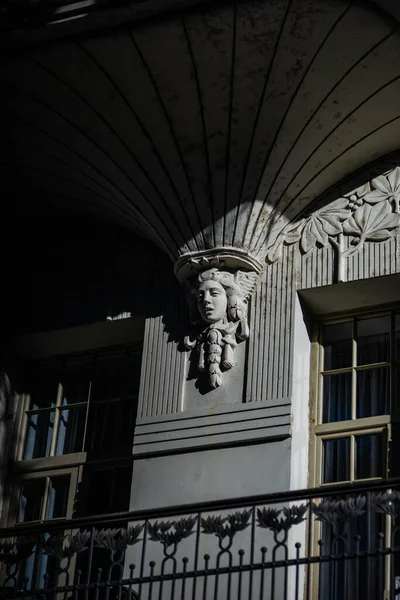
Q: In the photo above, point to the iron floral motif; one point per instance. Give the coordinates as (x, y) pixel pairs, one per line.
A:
(219, 302)
(227, 526)
(340, 512)
(281, 519)
(171, 533)
(369, 213)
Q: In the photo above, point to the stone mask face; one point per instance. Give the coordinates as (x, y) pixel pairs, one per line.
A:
(211, 301)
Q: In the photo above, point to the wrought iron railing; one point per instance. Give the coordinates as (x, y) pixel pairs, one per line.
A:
(335, 543)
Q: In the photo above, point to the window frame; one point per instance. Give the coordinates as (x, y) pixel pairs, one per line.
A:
(72, 464)
(352, 427)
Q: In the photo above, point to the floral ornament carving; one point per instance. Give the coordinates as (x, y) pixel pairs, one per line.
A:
(370, 213)
(219, 303)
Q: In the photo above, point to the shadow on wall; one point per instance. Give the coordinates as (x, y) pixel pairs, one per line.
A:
(62, 271)
(8, 399)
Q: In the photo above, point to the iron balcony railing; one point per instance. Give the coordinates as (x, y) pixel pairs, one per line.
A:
(335, 543)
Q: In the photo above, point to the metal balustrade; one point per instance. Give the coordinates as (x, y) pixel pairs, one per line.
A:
(333, 543)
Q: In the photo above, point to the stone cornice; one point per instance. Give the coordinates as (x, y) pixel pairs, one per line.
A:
(223, 258)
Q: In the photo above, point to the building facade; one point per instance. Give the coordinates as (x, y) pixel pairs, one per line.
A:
(201, 332)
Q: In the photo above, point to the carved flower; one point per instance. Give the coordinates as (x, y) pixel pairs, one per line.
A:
(385, 187)
(372, 222)
(322, 225)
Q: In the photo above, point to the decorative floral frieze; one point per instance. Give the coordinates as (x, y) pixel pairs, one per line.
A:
(371, 213)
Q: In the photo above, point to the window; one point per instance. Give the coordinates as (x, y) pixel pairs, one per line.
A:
(76, 431)
(354, 425)
(358, 381)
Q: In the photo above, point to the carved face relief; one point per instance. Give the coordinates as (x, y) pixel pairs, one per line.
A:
(211, 301)
(219, 297)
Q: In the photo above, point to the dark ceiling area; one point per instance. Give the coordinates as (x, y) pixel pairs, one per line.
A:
(59, 272)
(207, 126)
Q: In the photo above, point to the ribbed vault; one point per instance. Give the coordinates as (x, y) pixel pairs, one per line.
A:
(210, 127)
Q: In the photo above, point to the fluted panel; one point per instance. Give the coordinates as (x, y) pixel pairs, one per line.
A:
(163, 371)
(270, 343)
(374, 260)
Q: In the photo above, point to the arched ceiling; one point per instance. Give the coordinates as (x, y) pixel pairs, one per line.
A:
(206, 127)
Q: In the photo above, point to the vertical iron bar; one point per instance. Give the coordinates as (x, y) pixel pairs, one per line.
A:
(97, 584)
(273, 572)
(241, 554)
(228, 591)
(297, 576)
(206, 559)
(89, 562)
(357, 539)
(252, 544)
(162, 579)
(185, 561)
(77, 582)
(380, 557)
(369, 539)
(173, 582)
(309, 550)
(285, 575)
(263, 553)
(152, 564)
(196, 556)
(131, 571)
(142, 558)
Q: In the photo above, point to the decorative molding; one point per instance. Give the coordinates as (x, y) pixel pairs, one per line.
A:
(204, 428)
(190, 264)
(370, 213)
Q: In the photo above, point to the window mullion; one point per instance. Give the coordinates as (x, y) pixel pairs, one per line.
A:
(354, 374)
(56, 420)
(45, 499)
(352, 458)
(23, 425)
(87, 415)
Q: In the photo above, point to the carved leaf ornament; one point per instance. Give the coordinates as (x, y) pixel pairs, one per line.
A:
(369, 213)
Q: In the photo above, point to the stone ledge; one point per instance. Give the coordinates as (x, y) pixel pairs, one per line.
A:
(206, 428)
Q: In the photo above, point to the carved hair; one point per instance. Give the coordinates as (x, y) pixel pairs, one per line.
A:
(236, 299)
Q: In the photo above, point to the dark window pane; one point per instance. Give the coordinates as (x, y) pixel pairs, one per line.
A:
(336, 398)
(106, 384)
(111, 425)
(373, 392)
(336, 460)
(373, 340)
(38, 435)
(369, 456)
(337, 345)
(396, 392)
(75, 381)
(58, 497)
(43, 391)
(70, 430)
(30, 502)
(397, 337)
(108, 490)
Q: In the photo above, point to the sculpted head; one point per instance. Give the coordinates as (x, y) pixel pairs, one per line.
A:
(217, 298)
(211, 301)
